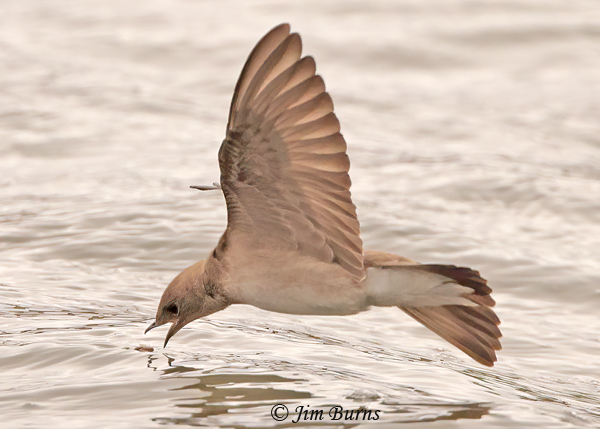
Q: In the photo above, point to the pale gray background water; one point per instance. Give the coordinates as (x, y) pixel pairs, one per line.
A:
(474, 135)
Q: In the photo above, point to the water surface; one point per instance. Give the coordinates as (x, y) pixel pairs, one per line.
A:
(474, 138)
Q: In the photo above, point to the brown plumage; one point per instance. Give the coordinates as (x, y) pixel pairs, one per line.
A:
(292, 241)
(281, 117)
(472, 329)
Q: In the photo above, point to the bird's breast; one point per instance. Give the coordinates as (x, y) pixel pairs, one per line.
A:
(293, 283)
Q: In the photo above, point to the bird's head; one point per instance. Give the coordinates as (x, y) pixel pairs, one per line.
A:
(191, 295)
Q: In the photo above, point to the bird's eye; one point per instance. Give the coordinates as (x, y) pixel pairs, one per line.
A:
(173, 309)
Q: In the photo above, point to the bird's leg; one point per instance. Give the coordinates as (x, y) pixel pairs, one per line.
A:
(212, 187)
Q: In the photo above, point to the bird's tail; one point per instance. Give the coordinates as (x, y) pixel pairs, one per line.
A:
(454, 302)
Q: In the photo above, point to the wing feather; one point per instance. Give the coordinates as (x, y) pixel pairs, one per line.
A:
(284, 168)
(332, 144)
(255, 60)
(322, 127)
(285, 55)
(308, 111)
(290, 78)
(298, 94)
(334, 162)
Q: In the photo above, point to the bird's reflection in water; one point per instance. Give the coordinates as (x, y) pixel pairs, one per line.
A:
(218, 398)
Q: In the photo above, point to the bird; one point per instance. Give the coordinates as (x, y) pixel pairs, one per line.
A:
(292, 241)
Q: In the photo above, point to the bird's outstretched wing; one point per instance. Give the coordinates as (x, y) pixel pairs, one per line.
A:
(284, 168)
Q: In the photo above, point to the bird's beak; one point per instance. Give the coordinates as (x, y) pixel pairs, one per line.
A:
(175, 327)
(154, 325)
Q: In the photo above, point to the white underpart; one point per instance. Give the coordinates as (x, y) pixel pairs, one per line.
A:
(286, 282)
(387, 287)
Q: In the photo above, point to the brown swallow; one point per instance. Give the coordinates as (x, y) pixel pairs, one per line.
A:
(292, 242)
